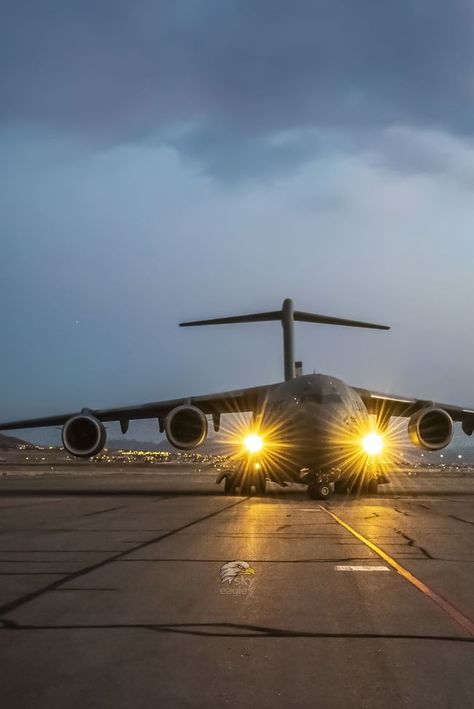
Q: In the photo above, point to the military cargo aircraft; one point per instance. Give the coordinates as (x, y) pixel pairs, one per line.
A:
(310, 429)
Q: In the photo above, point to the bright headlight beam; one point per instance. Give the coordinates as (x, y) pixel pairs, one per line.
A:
(372, 443)
(253, 443)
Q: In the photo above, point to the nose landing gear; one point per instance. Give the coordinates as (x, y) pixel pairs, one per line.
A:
(319, 491)
(320, 484)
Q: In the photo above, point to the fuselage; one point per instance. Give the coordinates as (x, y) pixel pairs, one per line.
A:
(314, 421)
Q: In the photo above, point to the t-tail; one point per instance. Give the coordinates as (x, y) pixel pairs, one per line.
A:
(287, 316)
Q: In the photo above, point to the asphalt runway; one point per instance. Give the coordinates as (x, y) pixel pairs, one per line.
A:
(111, 594)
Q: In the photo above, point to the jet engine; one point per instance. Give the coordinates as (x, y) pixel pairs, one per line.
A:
(431, 428)
(83, 435)
(186, 427)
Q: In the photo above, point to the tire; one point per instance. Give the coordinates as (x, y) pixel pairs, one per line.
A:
(364, 487)
(319, 491)
(341, 487)
(260, 484)
(372, 486)
(229, 485)
(244, 485)
(358, 485)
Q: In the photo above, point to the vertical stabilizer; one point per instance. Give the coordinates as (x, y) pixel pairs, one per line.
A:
(287, 316)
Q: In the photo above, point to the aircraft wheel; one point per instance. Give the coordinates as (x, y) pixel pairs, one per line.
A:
(229, 485)
(260, 484)
(319, 491)
(372, 486)
(359, 485)
(341, 486)
(244, 486)
(364, 487)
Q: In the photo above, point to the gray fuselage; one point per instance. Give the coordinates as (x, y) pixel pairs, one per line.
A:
(314, 421)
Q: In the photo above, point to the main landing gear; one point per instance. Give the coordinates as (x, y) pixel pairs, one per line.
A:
(321, 485)
(244, 480)
(361, 485)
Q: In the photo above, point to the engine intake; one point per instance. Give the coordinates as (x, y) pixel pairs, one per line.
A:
(83, 435)
(431, 428)
(186, 427)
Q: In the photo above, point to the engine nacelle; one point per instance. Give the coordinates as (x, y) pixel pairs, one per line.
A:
(431, 428)
(83, 435)
(186, 427)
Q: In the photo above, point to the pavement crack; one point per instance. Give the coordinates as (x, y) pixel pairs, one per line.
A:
(32, 573)
(455, 517)
(87, 589)
(231, 630)
(335, 560)
(8, 624)
(461, 519)
(101, 512)
(412, 543)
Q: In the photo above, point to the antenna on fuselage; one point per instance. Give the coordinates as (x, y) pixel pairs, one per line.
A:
(287, 316)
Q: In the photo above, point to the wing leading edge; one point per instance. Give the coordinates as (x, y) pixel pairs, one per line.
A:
(386, 405)
(240, 400)
(246, 400)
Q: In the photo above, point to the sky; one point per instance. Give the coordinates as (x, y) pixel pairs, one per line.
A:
(166, 161)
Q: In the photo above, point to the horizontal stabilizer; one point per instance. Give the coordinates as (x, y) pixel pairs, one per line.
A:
(256, 317)
(328, 320)
(287, 316)
(298, 315)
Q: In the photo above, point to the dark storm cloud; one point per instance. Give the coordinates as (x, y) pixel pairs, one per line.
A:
(219, 80)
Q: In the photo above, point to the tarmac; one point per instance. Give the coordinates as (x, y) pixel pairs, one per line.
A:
(111, 593)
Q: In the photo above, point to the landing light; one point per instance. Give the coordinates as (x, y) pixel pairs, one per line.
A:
(372, 444)
(253, 443)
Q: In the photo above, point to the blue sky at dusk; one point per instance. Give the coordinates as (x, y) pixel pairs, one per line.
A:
(166, 161)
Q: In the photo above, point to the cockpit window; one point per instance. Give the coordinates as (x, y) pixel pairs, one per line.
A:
(321, 397)
(332, 396)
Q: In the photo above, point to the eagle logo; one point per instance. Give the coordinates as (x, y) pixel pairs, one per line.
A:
(234, 569)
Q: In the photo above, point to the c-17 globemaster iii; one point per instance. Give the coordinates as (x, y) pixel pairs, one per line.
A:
(310, 429)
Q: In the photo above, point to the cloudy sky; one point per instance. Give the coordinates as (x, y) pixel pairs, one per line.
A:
(163, 161)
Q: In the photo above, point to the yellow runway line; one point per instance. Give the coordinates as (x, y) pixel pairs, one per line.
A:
(466, 623)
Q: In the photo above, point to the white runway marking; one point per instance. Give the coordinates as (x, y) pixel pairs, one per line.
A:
(348, 567)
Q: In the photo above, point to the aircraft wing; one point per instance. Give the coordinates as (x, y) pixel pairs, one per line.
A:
(386, 405)
(240, 400)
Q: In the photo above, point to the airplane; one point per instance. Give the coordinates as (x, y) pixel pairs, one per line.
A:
(310, 429)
